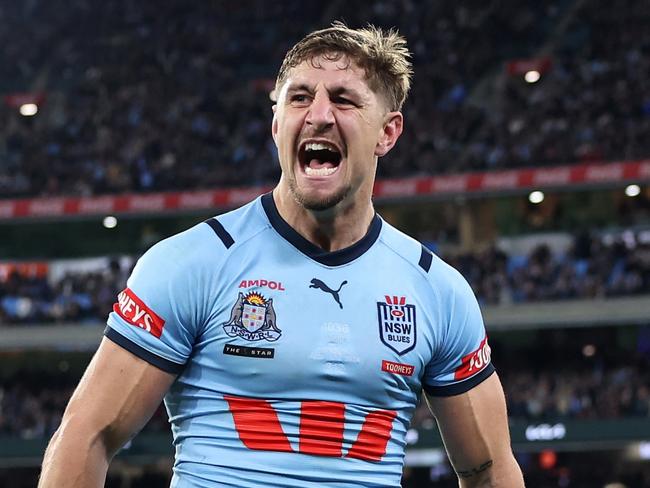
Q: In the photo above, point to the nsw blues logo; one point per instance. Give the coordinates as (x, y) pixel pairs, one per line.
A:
(397, 324)
(253, 318)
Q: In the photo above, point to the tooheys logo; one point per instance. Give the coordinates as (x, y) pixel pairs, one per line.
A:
(135, 312)
(474, 361)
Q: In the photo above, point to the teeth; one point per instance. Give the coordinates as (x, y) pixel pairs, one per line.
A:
(319, 172)
(319, 146)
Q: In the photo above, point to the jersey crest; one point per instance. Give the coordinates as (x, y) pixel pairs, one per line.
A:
(253, 318)
(397, 324)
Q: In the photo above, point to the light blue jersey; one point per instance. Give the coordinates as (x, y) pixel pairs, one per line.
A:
(297, 367)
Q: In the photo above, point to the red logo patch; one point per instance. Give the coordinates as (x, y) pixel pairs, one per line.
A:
(397, 368)
(474, 361)
(135, 312)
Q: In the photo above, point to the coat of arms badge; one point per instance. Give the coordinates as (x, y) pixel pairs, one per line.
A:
(253, 318)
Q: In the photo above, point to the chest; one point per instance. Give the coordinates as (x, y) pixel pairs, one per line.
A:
(359, 333)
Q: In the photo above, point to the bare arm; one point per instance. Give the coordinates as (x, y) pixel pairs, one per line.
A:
(474, 427)
(115, 398)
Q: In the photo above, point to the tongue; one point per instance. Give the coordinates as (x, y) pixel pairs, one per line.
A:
(317, 164)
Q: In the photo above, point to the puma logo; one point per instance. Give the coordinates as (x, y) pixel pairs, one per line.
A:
(316, 283)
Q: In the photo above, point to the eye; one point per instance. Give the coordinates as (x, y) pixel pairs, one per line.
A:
(299, 98)
(343, 101)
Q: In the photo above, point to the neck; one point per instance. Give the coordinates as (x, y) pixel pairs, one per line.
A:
(332, 229)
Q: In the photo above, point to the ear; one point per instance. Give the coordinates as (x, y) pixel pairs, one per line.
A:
(274, 124)
(390, 132)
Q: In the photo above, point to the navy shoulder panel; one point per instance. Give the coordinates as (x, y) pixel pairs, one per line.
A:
(221, 232)
(425, 259)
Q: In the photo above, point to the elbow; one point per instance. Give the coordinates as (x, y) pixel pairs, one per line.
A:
(113, 440)
(83, 435)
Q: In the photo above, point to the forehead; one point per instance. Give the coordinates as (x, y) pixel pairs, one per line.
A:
(323, 71)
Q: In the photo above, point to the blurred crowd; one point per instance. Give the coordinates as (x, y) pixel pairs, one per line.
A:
(591, 104)
(554, 394)
(592, 268)
(590, 394)
(77, 296)
(32, 408)
(150, 96)
(32, 403)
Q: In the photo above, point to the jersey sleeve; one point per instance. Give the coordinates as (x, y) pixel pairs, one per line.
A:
(462, 360)
(155, 316)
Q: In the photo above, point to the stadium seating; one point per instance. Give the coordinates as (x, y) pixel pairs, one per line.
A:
(150, 114)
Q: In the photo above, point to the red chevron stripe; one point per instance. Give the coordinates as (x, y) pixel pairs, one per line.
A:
(257, 424)
(321, 428)
(372, 440)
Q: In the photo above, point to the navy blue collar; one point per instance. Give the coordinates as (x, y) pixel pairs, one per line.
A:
(335, 258)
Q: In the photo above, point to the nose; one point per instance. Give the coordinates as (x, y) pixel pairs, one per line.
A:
(320, 114)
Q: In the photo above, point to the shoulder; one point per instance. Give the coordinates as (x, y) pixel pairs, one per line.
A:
(203, 246)
(213, 237)
(443, 278)
(238, 226)
(412, 252)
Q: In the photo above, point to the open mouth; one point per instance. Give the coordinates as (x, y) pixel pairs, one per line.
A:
(319, 158)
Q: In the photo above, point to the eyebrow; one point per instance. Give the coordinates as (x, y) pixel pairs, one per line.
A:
(334, 91)
(300, 87)
(342, 90)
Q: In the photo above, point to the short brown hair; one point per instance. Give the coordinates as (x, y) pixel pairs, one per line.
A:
(383, 55)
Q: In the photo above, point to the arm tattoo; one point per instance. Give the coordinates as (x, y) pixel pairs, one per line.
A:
(474, 471)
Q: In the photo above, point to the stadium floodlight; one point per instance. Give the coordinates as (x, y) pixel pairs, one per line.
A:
(28, 109)
(536, 197)
(532, 76)
(644, 450)
(110, 222)
(633, 190)
(589, 350)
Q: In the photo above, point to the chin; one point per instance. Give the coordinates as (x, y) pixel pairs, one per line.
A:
(319, 203)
